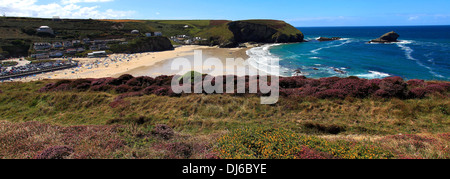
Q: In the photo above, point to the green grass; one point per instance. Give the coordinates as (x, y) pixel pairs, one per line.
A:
(351, 128)
(208, 113)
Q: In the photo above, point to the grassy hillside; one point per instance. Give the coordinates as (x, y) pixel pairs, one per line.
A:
(219, 126)
(17, 33)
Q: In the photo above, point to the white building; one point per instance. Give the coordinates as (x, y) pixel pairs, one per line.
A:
(97, 54)
(135, 32)
(148, 34)
(45, 29)
(158, 34)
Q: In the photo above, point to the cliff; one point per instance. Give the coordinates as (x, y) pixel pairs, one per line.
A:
(233, 33)
(17, 34)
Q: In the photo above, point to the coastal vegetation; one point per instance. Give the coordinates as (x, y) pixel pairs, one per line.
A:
(17, 34)
(138, 117)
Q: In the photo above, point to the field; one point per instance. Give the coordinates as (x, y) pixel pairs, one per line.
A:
(39, 121)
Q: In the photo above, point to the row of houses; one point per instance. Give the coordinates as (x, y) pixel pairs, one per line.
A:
(148, 34)
(186, 40)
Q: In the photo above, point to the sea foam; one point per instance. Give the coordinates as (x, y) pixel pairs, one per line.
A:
(373, 75)
(408, 53)
(261, 59)
(344, 41)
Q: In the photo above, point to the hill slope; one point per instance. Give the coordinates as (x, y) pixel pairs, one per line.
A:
(17, 34)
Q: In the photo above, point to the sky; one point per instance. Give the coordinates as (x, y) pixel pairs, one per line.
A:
(300, 13)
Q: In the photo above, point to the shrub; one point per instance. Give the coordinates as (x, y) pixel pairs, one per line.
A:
(417, 93)
(56, 152)
(60, 82)
(151, 89)
(78, 82)
(124, 78)
(122, 89)
(308, 90)
(102, 87)
(119, 103)
(307, 153)
(251, 143)
(329, 129)
(47, 87)
(132, 120)
(179, 150)
(62, 87)
(163, 80)
(331, 93)
(392, 87)
(83, 87)
(293, 82)
(99, 81)
(372, 86)
(146, 81)
(435, 88)
(416, 83)
(134, 82)
(163, 131)
(162, 91)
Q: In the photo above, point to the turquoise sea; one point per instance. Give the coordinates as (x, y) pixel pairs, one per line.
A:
(423, 53)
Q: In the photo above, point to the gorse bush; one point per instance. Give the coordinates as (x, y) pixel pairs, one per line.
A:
(251, 143)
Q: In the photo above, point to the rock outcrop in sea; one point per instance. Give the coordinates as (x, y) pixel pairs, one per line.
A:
(387, 38)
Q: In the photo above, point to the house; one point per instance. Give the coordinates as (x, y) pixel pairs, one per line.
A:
(158, 33)
(135, 32)
(71, 51)
(67, 44)
(188, 41)
(93, 47)
(97, 54)
(45, 29)
(40, 56)
(57, 45)
(76, 42)
(56, 19)
(56, 54)
(102, 47)
(42, 46)
(80, 49)
(148, 34)
(86, 40)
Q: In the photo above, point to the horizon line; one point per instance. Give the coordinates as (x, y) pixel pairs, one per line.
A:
(296, 26)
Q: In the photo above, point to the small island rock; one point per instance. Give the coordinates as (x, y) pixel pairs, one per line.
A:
(387, 38)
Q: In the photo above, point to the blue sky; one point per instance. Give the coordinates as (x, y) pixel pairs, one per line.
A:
(299, 13)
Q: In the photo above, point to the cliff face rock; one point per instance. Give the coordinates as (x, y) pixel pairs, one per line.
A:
(387, 38)
(264, 31)
(258, 31)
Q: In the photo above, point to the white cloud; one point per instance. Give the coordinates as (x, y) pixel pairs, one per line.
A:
(64, 9)
(83, 1)
(413, 18)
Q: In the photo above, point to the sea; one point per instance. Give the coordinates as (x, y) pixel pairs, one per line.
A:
(422, 53)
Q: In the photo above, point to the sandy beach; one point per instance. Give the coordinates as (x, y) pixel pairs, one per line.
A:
(140, 64)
